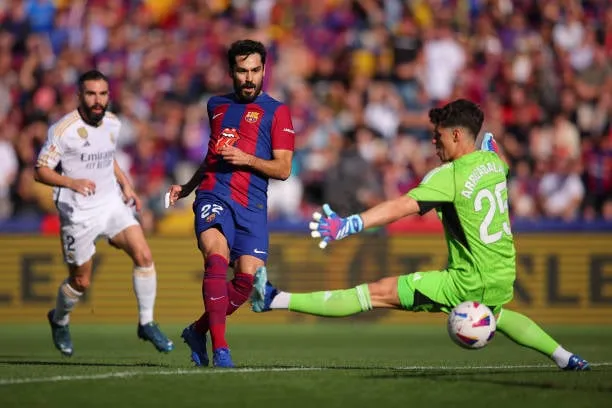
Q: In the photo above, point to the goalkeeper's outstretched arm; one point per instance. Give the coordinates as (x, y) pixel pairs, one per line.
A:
(390, 211)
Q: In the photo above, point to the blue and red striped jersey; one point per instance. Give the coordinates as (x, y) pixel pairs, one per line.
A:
(256, 128)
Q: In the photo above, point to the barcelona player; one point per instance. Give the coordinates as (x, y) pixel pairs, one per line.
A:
(469, 194)
(252, 140)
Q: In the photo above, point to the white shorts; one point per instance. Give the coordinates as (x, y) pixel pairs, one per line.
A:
(80, 231)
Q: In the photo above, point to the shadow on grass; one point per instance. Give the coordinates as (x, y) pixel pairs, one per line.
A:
(489, 376)
(77, 363)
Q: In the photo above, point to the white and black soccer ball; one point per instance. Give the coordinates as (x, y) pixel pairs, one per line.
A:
(471, 325)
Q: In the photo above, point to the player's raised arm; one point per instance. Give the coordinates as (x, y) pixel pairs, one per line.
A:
(436, 188)
(48, 159)
(332, 227)
(390, 211)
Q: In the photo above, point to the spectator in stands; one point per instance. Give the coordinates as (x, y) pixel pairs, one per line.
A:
(541, 69)
(561, 190)
(598, 176)
(522, 191)
(352, 184)
(8, 169)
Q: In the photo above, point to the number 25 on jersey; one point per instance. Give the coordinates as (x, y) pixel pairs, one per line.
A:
(498, 205)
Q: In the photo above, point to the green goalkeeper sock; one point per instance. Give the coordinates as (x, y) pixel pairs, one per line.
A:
(333, 303)
(526, 332)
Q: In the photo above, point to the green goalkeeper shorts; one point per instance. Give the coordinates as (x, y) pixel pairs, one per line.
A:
(431, 291)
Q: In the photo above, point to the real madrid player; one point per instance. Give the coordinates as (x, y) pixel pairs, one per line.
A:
(94, 198)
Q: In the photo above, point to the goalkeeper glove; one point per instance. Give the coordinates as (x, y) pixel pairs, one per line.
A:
(489, 143)
(331, 227)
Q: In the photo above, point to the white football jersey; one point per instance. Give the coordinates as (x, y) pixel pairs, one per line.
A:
(85, 152)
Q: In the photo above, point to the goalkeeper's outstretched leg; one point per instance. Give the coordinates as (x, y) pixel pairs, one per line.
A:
(406, 292)
(524, 331)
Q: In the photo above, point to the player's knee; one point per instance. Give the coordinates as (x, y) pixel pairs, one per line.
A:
(212, 241)
(79, 283)
(143, 257)
(248, 265)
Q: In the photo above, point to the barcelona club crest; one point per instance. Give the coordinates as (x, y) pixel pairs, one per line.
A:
(252, 117)
(228, 137)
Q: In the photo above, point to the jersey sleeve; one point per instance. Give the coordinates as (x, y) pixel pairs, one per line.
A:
(51, 152)
(283, 135)
(209, 109)
(436, 188)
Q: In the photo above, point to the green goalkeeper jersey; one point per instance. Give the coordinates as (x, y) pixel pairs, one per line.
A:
(470, 196)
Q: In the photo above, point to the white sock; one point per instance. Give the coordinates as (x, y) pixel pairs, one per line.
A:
(281, 301)
(67, 297)
(145, 289)
(561, 357)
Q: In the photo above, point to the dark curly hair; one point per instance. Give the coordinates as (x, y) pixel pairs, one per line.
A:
(458, 113)
(92, 75)
(245, 48)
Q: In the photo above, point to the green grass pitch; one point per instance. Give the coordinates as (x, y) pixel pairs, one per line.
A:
(332, 364)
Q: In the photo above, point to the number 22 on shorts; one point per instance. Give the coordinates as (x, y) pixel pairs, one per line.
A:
(210, 211)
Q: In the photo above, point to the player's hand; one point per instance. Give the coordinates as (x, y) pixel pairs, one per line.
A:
(129, 195)
(175, 193)
(83, 186)
(488, 143)
(235, 156)
(331, 227)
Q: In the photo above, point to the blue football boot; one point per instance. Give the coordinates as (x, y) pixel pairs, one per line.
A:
(61, 335)
(222, 358)
(263, 291)
(197, 344)
(577, 363)
(151, 332)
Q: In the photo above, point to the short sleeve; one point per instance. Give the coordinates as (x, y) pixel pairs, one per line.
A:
(209, 108)
(51, 152)
(436, 188)
(283, 135)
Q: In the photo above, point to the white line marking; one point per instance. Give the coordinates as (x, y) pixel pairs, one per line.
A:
(491, 367)
(135, 373)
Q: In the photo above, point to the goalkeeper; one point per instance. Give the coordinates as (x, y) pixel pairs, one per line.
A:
(469, 194)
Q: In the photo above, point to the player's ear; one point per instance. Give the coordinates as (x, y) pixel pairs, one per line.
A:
(456, 132)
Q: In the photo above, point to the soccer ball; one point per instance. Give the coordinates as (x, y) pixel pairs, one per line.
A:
(471, 325)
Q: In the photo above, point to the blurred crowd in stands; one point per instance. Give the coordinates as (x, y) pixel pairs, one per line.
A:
(359, 77)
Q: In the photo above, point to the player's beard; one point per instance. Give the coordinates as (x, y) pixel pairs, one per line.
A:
(91, 116)
(255, 88)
